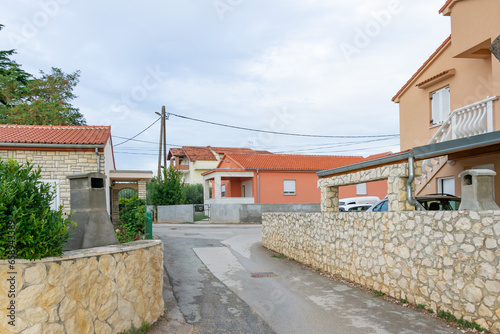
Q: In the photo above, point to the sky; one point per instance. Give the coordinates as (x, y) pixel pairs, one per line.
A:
(318, 67)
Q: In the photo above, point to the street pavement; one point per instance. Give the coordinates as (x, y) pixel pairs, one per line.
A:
(224, 281)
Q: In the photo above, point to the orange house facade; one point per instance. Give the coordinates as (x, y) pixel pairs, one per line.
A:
(276, 178)
(455, 94)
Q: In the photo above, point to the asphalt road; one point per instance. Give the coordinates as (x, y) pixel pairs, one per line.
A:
(226, 282)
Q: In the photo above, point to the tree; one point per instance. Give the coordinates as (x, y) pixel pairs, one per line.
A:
(194, 193)
(169, 191)
(25, 99)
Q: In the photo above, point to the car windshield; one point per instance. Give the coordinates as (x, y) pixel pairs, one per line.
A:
(440, 204)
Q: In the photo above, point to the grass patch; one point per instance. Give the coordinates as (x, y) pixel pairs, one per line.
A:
(460, 322)
(420, 307)
(403, 301)
(279, 256)
(377, 294)
(141, 330)
(198, 218)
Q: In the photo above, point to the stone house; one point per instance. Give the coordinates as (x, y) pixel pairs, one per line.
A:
(455, 94)
(65, 150)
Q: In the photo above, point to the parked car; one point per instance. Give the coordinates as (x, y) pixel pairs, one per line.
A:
(432, 202)
(361, 200)
(355, 207)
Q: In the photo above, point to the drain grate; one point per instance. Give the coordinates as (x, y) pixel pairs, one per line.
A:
(262, 275)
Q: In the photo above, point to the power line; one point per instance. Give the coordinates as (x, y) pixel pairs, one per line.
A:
(123, 142)
(138, 140)
(276, 132)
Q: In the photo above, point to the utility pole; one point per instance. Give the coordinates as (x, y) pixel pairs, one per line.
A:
(163, 141)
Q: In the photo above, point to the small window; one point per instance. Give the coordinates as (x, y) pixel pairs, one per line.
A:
(361, 189)
(223, 191)
(440, 105)
(54, 205)
(289, 187)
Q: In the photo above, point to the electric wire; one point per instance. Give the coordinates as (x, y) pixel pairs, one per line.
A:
(123, 142)
(276, 132)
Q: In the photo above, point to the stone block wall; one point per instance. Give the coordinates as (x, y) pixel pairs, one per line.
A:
(446, 260)
(96, 290)
(56, 165)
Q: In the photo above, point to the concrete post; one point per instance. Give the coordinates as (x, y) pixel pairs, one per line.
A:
(206, 190)
(218, 187)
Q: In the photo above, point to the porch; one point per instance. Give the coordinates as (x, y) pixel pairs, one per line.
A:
(126, 179)
(228, 187)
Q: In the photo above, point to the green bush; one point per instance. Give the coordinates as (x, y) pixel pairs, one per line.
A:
(131, 223)
(169, 191)
(193, 193)
(25, 210)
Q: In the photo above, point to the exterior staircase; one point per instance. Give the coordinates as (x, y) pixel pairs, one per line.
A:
(471, 120)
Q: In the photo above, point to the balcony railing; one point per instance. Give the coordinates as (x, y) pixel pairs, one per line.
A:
(471, 120)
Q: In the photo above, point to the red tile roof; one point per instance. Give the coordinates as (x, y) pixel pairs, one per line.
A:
(427, 62)
(47, 134)
(206, 153)
(195, 153)
(292, 162)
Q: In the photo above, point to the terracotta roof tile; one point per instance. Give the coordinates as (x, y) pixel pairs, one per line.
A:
(427, 62)
(195, 153)
(293, 162)
(47, 134)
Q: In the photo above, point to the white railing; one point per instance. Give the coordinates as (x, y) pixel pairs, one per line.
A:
(471, 120)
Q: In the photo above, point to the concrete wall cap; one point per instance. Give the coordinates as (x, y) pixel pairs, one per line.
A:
(85, 175)
(477, 172)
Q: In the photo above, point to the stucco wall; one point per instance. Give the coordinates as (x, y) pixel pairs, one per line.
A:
(96, 290)
(56, 165)
(446, 260)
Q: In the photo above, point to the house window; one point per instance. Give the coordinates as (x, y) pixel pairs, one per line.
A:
(440, 105)
(361, 189)
(289, 187)
(223, 191)
(54, 205)
(446, 185)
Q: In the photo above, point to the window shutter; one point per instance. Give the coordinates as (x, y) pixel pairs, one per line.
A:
(54, 205)
(289, 187)
(361, 189)
(440, 105)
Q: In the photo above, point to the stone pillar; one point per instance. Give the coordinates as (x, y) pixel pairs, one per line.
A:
(329, 199)
(206, 190)
(396, 188)
(218, 187)
(116, 205)
(141, 189)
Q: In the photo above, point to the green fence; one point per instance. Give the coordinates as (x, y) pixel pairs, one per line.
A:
(148, 226)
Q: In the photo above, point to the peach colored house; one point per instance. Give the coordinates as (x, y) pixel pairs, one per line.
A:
(454, 95)
(276, 178)
(193, 161)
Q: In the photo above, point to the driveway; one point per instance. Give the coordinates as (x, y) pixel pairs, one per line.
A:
(226, 282)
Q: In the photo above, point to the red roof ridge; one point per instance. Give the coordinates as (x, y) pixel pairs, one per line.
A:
(427, 62)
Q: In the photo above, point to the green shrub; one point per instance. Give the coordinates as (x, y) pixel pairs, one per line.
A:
(193, 193)
(131, 223)
(25, 209)
(126, 193)
(169, 191)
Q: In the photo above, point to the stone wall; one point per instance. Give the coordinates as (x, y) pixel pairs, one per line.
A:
(446, 260)
(56, 165)
(95, 290)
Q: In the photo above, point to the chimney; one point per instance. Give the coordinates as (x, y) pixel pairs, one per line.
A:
(477, 190)
(88, 204)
